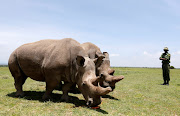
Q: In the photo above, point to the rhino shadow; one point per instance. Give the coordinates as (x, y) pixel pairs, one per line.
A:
(37, 96)
(110, 97)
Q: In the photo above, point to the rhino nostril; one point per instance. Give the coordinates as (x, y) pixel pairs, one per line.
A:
(89, 103)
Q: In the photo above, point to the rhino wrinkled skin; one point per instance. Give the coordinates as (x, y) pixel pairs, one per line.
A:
(53, 61)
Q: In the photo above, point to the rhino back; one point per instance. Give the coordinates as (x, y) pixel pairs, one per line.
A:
(40, 59)
(91, 49)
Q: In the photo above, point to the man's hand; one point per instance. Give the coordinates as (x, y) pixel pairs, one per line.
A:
(162, 58)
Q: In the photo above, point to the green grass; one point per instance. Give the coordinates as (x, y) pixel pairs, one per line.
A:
(140, 93)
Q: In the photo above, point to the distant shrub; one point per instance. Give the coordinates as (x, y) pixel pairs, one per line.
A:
(172, 67)
(3, 65)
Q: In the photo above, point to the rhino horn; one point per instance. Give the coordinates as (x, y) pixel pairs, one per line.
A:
(103, 91)
(98, 89)
(95, 81)
(98, 79)
(117, 78)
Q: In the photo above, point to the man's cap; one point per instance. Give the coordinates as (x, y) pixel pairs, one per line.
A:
(166, 49)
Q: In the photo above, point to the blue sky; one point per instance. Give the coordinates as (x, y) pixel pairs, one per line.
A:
(134, 32)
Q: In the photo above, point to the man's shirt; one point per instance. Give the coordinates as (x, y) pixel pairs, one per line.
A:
(167, 56)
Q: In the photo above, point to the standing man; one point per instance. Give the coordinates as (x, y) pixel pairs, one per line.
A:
(165, 57)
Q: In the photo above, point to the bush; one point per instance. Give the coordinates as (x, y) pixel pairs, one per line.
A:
(172, 67)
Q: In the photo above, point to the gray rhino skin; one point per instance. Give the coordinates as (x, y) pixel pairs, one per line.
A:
(53, 61)
(103, 66)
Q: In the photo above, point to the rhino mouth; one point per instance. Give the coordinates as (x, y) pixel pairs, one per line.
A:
(95, 92)
(90, 103)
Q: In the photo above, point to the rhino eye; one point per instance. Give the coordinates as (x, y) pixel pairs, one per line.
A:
(84, 83)
(102, 75)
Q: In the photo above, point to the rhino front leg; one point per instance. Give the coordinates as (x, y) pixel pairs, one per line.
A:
(50, 86)
(66, 87)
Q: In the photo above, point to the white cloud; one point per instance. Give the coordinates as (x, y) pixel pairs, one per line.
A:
(176, 53)
(146, 53)
(113, 55)
(152, 55)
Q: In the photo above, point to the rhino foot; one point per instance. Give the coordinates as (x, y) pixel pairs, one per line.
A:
(19, 94)
(65, 98)
(46, 97)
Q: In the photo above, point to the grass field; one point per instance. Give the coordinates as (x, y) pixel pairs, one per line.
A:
(140, 93)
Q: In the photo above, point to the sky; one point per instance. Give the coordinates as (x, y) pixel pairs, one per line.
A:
(133, 32)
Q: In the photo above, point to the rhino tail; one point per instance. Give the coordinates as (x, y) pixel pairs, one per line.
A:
(14, 67)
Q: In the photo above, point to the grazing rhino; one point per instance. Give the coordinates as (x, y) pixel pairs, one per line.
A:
(102, 66)
(53, 61)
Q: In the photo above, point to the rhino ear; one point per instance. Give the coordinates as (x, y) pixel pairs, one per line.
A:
(95, 60)
(80, 60)
(106, 54)
(98, 60)
(98, 54)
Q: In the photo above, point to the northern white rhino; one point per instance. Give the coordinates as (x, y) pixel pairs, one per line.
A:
(53, 61)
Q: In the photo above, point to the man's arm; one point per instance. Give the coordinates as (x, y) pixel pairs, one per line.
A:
(162, 59)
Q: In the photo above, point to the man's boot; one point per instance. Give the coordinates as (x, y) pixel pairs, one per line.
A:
(164, 83)
(167, 83)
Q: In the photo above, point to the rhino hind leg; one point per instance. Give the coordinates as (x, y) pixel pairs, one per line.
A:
(19, 81)
(19, 76)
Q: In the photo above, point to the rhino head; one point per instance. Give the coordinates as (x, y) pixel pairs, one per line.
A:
(88, 82)
(107, 80)
(106, 75)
